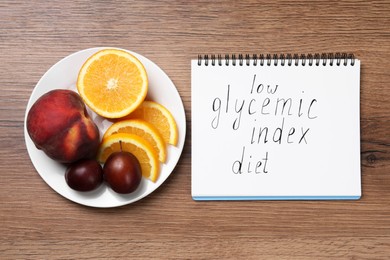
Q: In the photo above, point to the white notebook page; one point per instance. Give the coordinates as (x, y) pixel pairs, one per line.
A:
(275, 132)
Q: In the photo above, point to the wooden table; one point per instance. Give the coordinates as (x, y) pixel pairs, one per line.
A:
(37, 223)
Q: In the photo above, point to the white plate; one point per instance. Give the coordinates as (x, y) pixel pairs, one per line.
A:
(63, 75)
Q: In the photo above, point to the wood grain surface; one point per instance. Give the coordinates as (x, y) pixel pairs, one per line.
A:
(37, 223)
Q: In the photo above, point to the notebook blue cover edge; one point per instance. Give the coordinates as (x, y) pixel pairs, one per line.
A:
(209, 198)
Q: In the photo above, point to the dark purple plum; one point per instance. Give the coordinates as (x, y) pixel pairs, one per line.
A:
(122, 172)
(84, 175)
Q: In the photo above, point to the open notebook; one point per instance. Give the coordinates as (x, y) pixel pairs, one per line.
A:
(277, 127)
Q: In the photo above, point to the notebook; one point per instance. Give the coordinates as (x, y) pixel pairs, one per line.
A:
(275, 127)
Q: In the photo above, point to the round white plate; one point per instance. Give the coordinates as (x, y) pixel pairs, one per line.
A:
(63, 75)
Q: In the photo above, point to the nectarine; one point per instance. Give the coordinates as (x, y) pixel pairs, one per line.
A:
(58, 124)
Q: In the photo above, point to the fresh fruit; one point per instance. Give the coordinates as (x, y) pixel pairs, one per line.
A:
(59, 125)
(160, 117)
(84, 175)
(136, 145)
(142, 129)
(122, 172)
(112, 83)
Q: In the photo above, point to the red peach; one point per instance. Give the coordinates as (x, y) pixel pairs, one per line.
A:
(59, 125)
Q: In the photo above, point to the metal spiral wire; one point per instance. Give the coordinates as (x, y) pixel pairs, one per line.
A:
(324, 59)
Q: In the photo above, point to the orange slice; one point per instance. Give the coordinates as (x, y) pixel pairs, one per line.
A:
(144, 130)
(113, 83)
(134, 144)
(159, 117)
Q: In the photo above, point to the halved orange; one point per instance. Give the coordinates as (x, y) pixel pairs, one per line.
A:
(144, 130)
(134, 144)
(159, 117)
(113, 83)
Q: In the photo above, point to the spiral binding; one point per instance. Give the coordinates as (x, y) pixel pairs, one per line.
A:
(278, 59)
